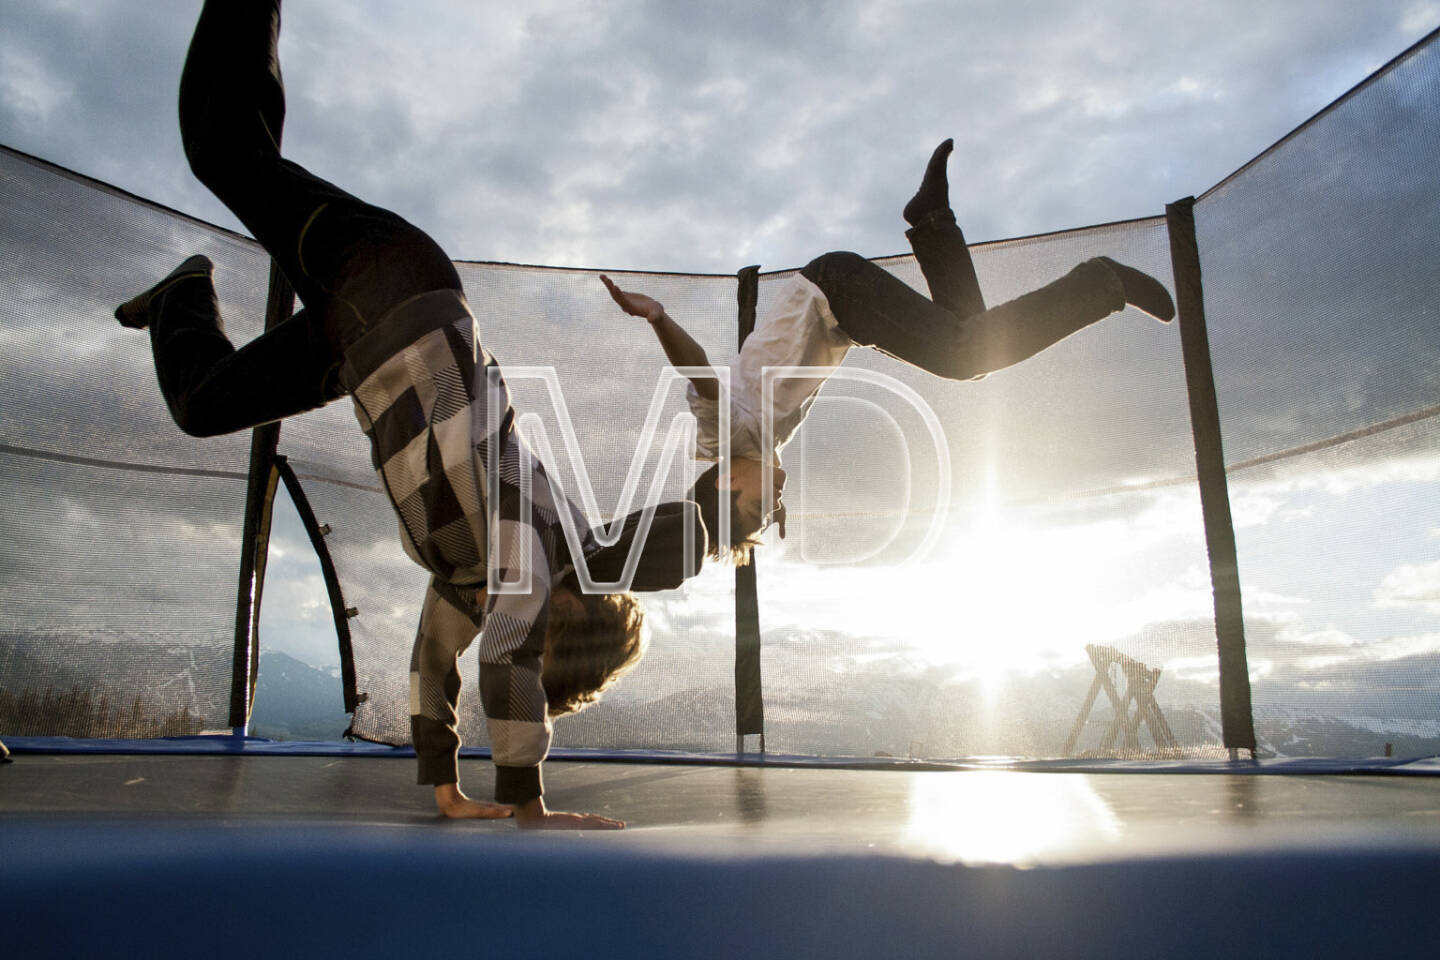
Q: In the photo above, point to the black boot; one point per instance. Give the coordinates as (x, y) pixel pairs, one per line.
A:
(931, 202)
(135, 312)
(1142, 291)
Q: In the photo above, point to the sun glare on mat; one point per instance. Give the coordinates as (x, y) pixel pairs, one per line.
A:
(997, 816)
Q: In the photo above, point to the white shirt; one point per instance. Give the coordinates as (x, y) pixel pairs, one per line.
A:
(801, 332)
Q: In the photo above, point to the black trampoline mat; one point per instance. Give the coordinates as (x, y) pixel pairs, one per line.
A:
(986, 816)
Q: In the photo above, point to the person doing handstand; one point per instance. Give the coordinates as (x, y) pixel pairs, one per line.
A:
(385, 320)
(840, 300)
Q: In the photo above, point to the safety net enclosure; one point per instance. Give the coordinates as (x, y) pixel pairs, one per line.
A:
(121, 540)
(1024, 566)
(1325, 330)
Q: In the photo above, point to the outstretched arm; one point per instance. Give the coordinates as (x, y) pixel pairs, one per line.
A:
(444, 635)
(680, 348)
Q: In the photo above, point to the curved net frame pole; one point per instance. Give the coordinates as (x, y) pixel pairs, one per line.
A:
(1237, 720)
(255, 538)
(340, 613)
(749, 699)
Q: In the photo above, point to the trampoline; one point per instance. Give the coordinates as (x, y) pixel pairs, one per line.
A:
(1146, 766)
(320, 850)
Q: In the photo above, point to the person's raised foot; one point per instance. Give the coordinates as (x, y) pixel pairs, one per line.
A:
(135, 312)
(1142, 291)
(932, 201)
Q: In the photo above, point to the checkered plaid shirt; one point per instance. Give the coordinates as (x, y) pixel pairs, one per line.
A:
(465, 485)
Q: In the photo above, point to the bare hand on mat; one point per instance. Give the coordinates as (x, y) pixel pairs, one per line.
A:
(532, 815)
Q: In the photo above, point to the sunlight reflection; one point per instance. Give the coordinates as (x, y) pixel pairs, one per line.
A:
(1002, 816)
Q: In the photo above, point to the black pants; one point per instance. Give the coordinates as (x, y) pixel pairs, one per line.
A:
(349, 262)
(953, 335)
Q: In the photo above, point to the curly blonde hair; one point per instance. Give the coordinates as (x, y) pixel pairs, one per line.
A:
(586, 654)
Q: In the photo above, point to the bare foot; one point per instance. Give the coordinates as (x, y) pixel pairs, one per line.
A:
(457, 806)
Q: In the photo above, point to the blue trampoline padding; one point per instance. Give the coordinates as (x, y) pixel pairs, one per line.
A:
(257, 746)
(125, 888)
(204, 745)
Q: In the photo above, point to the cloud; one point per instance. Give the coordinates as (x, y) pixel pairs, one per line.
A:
(1411, 585)
(685, 137)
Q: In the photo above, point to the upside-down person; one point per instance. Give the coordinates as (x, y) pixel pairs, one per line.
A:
(840, 300)
(385, 321)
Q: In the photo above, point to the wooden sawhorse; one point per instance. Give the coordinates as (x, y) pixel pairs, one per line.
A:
(1140, 681)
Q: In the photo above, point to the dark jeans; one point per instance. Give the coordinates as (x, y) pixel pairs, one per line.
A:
(349, 262)
(953, 335)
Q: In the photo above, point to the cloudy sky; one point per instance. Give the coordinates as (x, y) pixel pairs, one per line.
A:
(704, 136)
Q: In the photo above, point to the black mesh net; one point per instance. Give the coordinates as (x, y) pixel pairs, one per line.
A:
(1072, 522)
(1063, 551)
(1319, 264)
(119, 535)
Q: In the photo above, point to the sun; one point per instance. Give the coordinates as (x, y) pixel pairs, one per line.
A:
(1006, 598)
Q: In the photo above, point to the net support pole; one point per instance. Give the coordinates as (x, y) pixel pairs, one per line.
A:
(749, 700)
(340, 613)
(1237, 720)
(255, 535)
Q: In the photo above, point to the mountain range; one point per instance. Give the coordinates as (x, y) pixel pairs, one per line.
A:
(112, 688)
